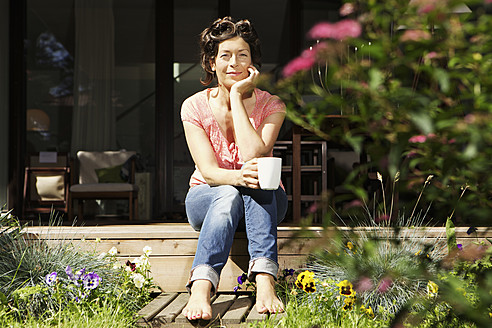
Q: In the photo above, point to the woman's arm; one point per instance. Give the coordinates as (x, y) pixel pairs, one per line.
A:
(204, 158)
(252, 143)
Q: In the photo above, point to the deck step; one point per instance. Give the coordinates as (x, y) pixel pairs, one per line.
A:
(228, 309)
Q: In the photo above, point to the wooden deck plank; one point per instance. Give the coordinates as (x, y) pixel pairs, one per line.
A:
(169, 313)
(238, 310)
(184, 231)
(254, 315)
(148, 312)
(220, 305)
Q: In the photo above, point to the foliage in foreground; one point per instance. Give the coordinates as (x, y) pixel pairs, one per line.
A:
(44, 282)
(413, 80)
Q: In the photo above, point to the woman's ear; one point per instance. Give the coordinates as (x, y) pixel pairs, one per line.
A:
(212, 65)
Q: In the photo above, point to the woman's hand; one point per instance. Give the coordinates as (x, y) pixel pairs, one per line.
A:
(248, 84)
(249, 173)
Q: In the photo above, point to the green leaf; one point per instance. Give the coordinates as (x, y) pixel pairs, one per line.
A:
(451, 235)
(3, 299)
(375, 78)
(443, 78)
(423, 121)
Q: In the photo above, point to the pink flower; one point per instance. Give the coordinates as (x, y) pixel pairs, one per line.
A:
(347, 9)
(415, 35)
(384, 285)
(338, 31)
(417, 139)
(487, 2)
(305, 61)
(432, 54)
(313, 208)
(384, 217)
(424, 6)
(425, 9)
(412, 154)
(298, 64)
(470, 118)
(364, 284)
(352, 204)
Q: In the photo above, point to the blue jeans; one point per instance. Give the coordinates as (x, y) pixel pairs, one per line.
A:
(218, 211)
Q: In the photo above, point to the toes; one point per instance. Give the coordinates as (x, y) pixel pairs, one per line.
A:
(261, 309)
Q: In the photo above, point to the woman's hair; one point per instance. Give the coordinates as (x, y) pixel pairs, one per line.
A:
(224, 29)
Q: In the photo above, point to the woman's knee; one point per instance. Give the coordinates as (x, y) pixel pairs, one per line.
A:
(226, 195)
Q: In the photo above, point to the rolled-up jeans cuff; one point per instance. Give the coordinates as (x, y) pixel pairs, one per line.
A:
(262, 265)
(204, 272)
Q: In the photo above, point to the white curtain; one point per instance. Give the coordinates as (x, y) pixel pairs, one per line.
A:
(93, 123)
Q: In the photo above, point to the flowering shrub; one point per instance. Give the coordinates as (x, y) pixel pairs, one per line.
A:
(414, 83)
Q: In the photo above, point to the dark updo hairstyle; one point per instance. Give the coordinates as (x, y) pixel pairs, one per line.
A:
(224, 29)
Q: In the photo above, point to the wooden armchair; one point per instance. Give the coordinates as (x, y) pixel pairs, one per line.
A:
(100, 178)
(46, 183)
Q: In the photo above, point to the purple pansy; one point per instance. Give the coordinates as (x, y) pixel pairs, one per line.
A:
(74, 277)
(50, 279)
(91, 280)
(460, 246)
(471, 230)
(242, 278)
(288, 272)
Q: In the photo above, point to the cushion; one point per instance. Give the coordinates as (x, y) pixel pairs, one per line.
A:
(89, 161)
(102, 187)
(110, 174)
(50, 188)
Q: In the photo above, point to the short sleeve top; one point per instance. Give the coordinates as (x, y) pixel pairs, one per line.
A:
(196, 110)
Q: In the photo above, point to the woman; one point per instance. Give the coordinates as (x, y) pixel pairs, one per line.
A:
(227, 128)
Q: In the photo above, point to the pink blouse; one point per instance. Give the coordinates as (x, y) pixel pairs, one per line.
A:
(196, 110)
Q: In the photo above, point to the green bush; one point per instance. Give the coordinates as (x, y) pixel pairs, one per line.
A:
(414, 81)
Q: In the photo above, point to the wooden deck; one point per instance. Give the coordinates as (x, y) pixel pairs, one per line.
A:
(228, 310)
(174, 245)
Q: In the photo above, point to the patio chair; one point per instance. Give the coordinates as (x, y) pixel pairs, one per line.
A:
(100, 177)
(46, 183)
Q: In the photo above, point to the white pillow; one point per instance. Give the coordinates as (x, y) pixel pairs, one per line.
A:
(51, 187)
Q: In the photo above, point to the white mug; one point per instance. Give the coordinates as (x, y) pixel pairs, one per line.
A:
(269, 170)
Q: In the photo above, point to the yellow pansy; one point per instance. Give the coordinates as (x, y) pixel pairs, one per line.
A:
(432, 288)
(346, 288)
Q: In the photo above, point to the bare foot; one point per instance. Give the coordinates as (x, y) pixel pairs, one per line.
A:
(266, 298)
(198, 306)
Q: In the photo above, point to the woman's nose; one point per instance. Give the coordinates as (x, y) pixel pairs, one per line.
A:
(233, 61)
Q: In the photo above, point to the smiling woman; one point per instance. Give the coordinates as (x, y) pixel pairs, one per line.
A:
(227, 129)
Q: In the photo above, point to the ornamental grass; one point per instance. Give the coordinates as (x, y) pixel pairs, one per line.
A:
(42, 281)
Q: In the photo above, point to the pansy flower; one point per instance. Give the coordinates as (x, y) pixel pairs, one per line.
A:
(132, 266)
(306, 281)
(432, 288)
(138, 280)
(471, 230)
(288, 272)
(346, 288)
(91, 280)
(51, 278)
(368, 311)
(348, 303)
(147, 250)
(242, 278)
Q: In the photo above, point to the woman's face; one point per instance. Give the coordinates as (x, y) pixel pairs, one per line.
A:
(232, 61)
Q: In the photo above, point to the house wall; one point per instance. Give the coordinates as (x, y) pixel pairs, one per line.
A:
(4, 98)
